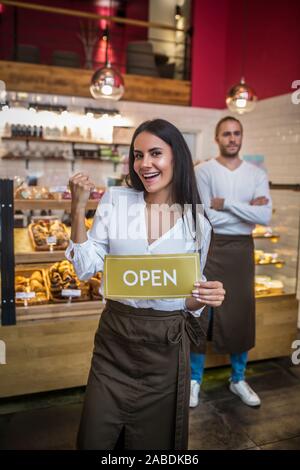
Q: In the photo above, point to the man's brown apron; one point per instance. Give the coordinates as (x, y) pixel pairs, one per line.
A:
(232, 329)
(139, 382)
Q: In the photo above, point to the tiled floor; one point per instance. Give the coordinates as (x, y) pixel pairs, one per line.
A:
(221, 421)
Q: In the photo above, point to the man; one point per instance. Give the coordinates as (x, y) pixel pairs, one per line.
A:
(236, 196)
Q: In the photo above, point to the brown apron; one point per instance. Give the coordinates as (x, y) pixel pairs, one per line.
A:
(139, 382)
(232, 328)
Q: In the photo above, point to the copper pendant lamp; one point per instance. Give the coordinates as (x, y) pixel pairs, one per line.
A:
(107, 82)
(241, 98)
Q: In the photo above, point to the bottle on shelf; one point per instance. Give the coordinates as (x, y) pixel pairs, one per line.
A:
(65, 132)
(7, 130)
(18, 130)
(24, 131)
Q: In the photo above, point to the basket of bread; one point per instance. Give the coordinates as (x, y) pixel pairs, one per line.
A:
(31, 286)
(48, 235)
(65, 285)
(265, 285)
(33, 193)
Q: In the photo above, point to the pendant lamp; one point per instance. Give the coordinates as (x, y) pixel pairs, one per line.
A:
(241, 98)
(107, 82)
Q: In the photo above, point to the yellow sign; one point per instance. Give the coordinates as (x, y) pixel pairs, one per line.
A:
(150, 276)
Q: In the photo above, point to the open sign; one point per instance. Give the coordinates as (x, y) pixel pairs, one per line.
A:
(155, 276)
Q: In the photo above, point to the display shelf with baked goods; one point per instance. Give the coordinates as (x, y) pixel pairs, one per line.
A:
(277, 247)
(44, 284)
(25, 252)
(262, 232)
(263, 258)
(57, 289)
(50, 198)
(38, 204)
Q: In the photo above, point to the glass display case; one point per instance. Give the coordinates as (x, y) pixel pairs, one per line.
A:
(44, 283)
(277, 247)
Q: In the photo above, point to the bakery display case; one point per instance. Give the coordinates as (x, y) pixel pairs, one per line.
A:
(43, 277)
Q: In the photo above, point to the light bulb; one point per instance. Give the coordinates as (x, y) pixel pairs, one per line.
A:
(241, 98)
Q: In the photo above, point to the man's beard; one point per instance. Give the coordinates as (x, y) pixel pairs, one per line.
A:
(227, 153)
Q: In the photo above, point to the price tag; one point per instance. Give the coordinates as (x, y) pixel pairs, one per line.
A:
(51, 240)
(71, 293)
(58, 189)
(25, 295)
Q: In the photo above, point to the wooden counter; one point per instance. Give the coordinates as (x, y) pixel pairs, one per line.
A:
(55, 353)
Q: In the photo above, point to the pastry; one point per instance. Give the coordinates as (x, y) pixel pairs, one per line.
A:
(88, 223)
(95, 283)
(20, 280)
(20, 288)
(261, 290)
(36, 286)
(37, 275)
(258, 254)
(275, 287)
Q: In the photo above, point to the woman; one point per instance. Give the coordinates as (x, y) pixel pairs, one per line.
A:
(138, 386)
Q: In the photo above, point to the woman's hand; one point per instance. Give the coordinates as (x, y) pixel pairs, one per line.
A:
(80, 186)
(206, 293)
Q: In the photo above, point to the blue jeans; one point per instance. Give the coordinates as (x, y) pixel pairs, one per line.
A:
(238, 365)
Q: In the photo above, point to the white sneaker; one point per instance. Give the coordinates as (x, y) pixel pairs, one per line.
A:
(194, 395)
(245, 392)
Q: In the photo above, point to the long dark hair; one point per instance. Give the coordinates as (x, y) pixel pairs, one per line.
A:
(184, 187)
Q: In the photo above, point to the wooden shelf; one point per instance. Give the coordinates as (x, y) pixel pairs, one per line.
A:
(267, 237)
(61, 310)
(47, 204)
(272, 263)
(39, 257)
(83, 309)
(267, 296)
(38, 159)
(25, 253)
(62, 141)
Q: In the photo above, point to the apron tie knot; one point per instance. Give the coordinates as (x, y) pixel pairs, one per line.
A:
(188, 324)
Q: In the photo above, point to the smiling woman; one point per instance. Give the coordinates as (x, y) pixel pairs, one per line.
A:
(140, 366)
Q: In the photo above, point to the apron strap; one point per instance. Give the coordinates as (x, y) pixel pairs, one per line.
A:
(183, 331)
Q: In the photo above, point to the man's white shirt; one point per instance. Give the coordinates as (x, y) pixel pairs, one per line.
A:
(237, 188)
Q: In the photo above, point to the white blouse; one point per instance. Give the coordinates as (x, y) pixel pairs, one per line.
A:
(119, 228)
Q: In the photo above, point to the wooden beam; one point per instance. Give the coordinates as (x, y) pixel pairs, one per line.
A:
(33, 78)
(91, 16)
